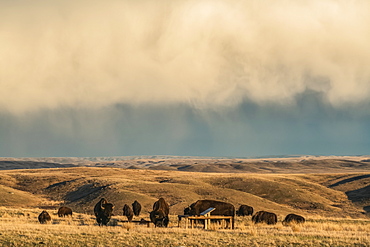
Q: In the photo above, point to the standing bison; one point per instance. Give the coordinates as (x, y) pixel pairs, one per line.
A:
(103, 212)
(244, 210)
(136, 206)
(221, 208)
(159, 215)
(64, 211)
(44, 217)
(264, 217)
(293, 219)
(127, 211)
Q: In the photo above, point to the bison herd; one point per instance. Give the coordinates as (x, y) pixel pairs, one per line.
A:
(103, 212)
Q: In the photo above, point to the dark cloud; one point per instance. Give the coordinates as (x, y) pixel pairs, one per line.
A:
(187, 77)
(309, 127)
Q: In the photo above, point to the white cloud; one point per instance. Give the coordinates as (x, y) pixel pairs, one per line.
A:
(208, 54)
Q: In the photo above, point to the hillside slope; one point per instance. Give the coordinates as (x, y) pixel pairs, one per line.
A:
(81, 187)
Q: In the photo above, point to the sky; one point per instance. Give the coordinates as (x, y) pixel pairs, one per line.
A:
(233, 78)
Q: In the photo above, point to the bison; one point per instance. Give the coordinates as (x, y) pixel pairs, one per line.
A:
(159, 215)
(293, 219)
(64, 211)
(44, 217)
(136, 206)
(127, 211)
(103, 212)
(222, 208)
(244, 210)
(266, 217)
(98, 206)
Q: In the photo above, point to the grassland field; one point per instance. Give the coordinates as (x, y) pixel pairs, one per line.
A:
(334, 204)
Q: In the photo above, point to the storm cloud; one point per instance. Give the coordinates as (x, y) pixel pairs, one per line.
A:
(205, 54)
(184, 77)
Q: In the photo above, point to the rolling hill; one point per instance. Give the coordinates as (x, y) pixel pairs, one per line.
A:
(342, 194)
(296, 164)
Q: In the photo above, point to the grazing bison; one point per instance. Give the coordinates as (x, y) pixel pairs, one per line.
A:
(293, 219)
(244, 210)
(44, 217)
(136, 206)
(103, 211)
(222, 208)
(159, 215)
(64, 211)
(127, 211)
(266, 217)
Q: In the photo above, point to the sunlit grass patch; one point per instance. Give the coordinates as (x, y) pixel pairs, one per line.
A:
(19, 227)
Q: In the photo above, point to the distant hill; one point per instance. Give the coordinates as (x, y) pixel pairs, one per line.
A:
(299, 164)
(26, 164)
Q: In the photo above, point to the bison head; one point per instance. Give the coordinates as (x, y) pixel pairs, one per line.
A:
(187, 211)
(107, 209)
(190, 210)
(107, 212)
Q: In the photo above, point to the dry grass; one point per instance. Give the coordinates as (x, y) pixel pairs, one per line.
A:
(80, 188)
(19, 227)
(24, 192)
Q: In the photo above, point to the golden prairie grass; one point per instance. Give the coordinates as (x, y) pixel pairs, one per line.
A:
(278, 193)
(19, 227)
(282, 194)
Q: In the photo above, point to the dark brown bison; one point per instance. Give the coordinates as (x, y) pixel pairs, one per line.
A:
(98, 206)
(64, 211)
(244, 210)
(103, 212)
(293, 219)
(222, 208)
(127, 211)
(44, 217)
(159, 215)
(136, 206)
(264, 217)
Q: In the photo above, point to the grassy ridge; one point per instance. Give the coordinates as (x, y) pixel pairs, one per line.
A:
(19, 227)
(81, 187)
